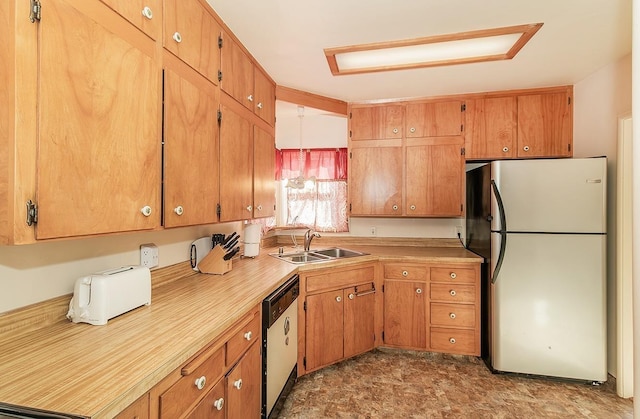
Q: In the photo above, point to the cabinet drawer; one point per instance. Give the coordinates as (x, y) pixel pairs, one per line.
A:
(213, 404)
(457, 341)
(184, 393)
(454, 293)
(405, 271)
(453, 274)
(460, 315)
(340, 279)
(248, 333)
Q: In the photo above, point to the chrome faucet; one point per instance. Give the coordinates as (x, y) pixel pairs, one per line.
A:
(308, 236)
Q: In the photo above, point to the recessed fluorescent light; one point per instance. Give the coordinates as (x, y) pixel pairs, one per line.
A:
(457, 48)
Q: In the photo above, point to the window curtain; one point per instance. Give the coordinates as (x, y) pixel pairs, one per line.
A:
(321, 205)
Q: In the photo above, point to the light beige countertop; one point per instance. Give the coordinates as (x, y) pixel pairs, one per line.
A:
(97, 371)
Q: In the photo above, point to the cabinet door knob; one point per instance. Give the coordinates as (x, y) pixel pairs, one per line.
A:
(219, 404)
(453, 275)
(249, 207)
(259, 207)
(238, 383)
(395, 130)
(177, 37)
(419, 291)
(405, 273)
(526, 148)
(505, 149)
(453, 293)
(179, 210)
(201, 382)
(250, 98)
(259, 105)
(412, 207)
(412, 130)
(452, 340)
(248, 335)
(395, 208)
(147, 12)
(351, 296)
(452, 315)
(146, 210)
(338, 298)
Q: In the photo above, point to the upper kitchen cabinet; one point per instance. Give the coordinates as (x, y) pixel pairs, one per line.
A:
(191, 33)
(83, 124)
(146, 15)
(236, 166)
(491, 128)
(191, 163)
(244, 81)
(545, 124)
(264, 186)
(376, 122)
(434, 119)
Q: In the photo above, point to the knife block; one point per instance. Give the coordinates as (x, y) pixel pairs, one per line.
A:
(214, 263)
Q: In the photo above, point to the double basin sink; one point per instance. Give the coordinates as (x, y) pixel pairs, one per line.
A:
(322, 255)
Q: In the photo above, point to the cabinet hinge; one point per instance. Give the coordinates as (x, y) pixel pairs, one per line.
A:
(382, 288)
(304, 362)
(350, 115)
(32, 213)
(461, 127)
(219, 117)
(350, 155)
(350, 133)
(461, 207)
(462, 151)
(36, 11)
(219, 41)
(349, 207)
(463, 107)
(569, 99)
(569, 147)
(219, 75)
(383, 335)
(304, 306)
(218, 210)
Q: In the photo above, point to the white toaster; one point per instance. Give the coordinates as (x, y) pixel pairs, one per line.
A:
(104, 295)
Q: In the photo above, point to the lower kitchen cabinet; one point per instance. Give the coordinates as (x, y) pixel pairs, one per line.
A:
(136, 410)
(405, 309)
(224, 380)
(339, 322)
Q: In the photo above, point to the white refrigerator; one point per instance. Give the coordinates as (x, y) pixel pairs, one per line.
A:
(544, 229)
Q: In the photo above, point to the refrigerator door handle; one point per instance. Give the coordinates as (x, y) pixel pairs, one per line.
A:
(502, 231)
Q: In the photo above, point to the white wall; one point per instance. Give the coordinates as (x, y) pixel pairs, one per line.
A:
(599, 100)
(37, 272)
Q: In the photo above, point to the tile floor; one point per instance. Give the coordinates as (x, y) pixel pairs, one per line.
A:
(399, 384)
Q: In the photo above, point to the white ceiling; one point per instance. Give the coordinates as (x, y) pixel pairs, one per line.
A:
(287, 37)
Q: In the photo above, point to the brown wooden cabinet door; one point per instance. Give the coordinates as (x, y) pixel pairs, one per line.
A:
(146, 15)
(545, 125)
(191, 191)
(434, 119)
(191, 33)
(236, 167)
(213, 406)
(324, 329)
(435, 176)
(376, 122)
(375, 181)
(265, 97)
(244, 386)
(264, 186)
(359, 313)
(99, 126)
(237, 73)
(491, 128)
(405, 314)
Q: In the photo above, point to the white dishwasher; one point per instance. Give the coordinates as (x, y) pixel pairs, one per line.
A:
(279, 345)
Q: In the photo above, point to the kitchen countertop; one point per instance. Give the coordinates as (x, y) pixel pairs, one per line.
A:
(97, 371)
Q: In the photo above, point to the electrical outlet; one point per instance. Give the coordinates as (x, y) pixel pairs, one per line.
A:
(372, 230)
(458, 231)
(149, 255)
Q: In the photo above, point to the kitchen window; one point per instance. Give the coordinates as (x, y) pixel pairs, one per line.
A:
(321, 203)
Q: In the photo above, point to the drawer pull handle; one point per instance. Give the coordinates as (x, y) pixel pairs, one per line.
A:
(453, 275)
(238, 384)
(505, 149)
(453, 293)
(201, 382)
(395, 208)
(452, 315)
(526, 148)
(419, 291)
(412, 130)
(452, 341)
(219, 404)
(248, 335)
(147, 12)
(412, 207)
(405, 273)
(177, 37)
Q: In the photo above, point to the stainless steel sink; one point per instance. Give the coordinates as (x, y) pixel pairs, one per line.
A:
(314, 256)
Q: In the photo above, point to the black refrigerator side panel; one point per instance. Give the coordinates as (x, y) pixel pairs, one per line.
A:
(478, 219)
